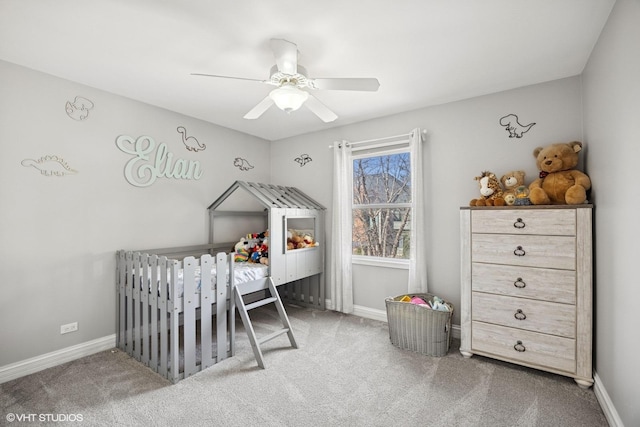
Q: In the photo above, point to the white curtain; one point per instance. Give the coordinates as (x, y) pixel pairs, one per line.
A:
(341, 272)
(418, 264)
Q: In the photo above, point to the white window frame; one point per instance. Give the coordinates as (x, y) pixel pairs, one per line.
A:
(382, 149)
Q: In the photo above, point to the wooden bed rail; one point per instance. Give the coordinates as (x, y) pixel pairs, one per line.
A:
(182, 252)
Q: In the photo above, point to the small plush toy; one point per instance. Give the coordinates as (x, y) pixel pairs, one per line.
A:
(255, 256)
(559, 183)
(490, 191)
(510, 181)
(294, 240)
(242, 250)
(258, 253)
(241, 255)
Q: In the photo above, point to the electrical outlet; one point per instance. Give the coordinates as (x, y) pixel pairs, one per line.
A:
(69, 327)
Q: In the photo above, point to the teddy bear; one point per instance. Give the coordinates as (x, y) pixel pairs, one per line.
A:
(294, 240)
(510, 181)
(559, 183)
(490, 191)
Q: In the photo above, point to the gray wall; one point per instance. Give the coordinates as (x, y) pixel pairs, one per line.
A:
(611, 86)
(59, 234)
(463, 139)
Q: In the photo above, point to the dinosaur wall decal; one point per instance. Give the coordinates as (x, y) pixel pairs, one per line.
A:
(79, 108)
(50, 166)
(190, 142)
(242, 164)
(511, 125)
(303, 159)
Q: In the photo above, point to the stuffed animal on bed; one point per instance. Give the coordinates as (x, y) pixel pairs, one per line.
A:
(242, 251)
(296, 240)
(293, 239)
(258, 253)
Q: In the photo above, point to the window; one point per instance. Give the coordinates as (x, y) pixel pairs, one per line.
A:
(378, 211)
(381, 205)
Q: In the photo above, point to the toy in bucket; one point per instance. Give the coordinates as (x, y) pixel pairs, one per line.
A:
(420, 322)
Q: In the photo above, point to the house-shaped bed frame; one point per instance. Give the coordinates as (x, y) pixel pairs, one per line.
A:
(297, 273)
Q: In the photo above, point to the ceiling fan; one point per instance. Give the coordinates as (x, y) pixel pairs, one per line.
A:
(291, 80)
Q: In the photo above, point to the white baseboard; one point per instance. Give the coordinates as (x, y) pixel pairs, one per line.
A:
(55, 358)
(369, 313)
(372, 313)
(605, 402)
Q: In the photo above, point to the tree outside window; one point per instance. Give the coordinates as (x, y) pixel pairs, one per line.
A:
(382, 205)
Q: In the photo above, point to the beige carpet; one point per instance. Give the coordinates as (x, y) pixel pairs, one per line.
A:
(345, 373)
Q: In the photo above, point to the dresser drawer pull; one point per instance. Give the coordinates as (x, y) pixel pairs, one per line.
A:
(519, 223)
(519, 251)
(519, 283)
(519, 347)
(520, 315)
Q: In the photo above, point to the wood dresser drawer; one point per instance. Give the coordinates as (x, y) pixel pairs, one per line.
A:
(530, 251)
(550, 222)
(524, 346)
(526, 282)
(522, 313)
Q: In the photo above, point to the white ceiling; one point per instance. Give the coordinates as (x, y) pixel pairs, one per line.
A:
(423, 52)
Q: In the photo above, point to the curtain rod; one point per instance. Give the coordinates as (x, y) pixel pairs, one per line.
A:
(380, 139)
(424, 132)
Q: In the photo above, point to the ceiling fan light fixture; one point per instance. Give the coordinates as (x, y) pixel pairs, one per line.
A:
(288, 98)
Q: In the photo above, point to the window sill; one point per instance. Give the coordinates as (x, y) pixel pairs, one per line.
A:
(402, 264)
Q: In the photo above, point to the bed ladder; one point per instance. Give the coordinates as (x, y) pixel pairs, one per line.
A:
(243, 309)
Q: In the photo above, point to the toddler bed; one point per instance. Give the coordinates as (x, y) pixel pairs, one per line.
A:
(168, 318)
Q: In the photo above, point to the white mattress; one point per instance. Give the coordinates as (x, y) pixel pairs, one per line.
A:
(243, 272)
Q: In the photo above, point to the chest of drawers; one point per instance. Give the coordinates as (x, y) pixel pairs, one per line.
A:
(526, 296)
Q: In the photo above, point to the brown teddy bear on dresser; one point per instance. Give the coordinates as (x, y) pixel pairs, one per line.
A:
(510, 181)
(559, 183)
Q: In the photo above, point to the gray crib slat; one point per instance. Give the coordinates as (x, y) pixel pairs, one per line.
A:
(129, 303)
(121, 280)
(207, 297)
(321, 302)
(164, 309)
(189, 315)
(221, 305)
(136, 306)
(153, 307)
(305, 290)
(144, 307)
(298, 290)
(231, 311)
(174, 320)
(314, 290)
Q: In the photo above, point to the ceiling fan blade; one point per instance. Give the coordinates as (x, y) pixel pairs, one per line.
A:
(230, 77)
(259, 109)
(319, 109)
(286, 54)
(361, 84)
